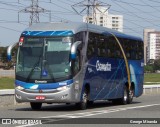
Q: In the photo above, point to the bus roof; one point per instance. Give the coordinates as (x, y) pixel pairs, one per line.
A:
(76, 27)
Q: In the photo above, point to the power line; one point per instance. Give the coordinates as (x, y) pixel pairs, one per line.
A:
(134, 3)
(10, 29)
(8, 4)
(135, 14)
(150, 5)
(154, 1)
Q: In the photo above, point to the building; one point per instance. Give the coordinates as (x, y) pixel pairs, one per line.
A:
(145, 38)
(103, 18)
(153, 48)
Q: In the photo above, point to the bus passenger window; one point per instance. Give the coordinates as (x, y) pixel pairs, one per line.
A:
(91, 46)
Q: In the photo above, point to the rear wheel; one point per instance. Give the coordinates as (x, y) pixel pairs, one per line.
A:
(35, 106)
(83, 104)
(122, 100)
(90, 103)
(130, 96)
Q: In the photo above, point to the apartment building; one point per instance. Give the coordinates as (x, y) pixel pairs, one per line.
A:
(103, 18)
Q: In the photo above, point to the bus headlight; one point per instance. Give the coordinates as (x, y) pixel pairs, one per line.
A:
(19, 87)
(63, 88)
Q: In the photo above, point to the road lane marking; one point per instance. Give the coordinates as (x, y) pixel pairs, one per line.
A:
(92, 113)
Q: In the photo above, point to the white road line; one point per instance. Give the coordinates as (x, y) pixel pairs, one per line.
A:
(92, 113)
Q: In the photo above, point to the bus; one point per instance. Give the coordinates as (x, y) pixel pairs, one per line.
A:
(77, 63)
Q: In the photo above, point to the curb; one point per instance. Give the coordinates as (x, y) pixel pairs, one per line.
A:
(7, 92)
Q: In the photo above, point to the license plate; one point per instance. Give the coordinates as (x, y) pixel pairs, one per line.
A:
(40, 97)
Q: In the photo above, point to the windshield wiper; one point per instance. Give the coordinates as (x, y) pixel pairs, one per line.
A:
(35, 65)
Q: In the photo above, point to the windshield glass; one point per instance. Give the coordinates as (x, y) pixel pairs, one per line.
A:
(43, 59)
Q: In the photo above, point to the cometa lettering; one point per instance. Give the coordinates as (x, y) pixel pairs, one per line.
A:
(36, 81)
(103, 67)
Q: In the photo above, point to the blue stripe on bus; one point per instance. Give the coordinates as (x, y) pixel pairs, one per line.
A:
(43, 86)
(47, 33)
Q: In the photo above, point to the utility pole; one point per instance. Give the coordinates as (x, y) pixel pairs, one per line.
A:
(91, 8)
(34, 9)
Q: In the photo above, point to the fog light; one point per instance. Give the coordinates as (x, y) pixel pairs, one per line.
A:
(18, 96)
(64, 96)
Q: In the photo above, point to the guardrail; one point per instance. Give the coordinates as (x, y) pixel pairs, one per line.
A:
(145, 87)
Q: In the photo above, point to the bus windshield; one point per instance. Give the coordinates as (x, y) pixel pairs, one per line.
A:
(43, 59)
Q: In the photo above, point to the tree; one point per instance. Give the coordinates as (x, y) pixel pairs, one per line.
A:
(148, 68)
(157, 64)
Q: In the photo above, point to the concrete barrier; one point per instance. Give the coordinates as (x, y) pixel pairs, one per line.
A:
(7, 92)
(7, 73)
(151, 89)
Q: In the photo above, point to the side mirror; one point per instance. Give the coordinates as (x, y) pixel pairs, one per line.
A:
(74, 49)
(9, 50)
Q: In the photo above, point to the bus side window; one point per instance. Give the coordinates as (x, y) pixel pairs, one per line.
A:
(91, 46)
(113, 49)
(140, 50)
(101, 46)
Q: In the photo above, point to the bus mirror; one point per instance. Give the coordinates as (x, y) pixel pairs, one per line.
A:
(74, 49)
(9, 50)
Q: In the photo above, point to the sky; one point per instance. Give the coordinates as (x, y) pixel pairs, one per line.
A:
(137, 15)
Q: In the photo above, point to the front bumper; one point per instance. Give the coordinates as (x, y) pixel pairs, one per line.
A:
(65, 96)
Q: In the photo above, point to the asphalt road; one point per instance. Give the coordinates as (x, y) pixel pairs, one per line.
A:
(99, 114)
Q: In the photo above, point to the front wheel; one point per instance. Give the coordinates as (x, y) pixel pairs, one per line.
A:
(83, 104)
(35, 106)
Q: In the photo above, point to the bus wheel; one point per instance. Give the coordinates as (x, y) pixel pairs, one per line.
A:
(90, 103)
(83, 104)
(130, 96)
(124, 99)
(35, 106)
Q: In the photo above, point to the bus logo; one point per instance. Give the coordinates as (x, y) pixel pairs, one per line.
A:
(103, 67)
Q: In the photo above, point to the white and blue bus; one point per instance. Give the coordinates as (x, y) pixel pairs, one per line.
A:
(77, 63)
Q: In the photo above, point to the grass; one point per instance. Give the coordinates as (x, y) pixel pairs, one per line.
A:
(8, 83)
(152, 77)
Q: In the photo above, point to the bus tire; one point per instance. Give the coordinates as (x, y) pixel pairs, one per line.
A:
(35, 106)
(124, 99)
(130, 96)
(90, 103)
(83, 104)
